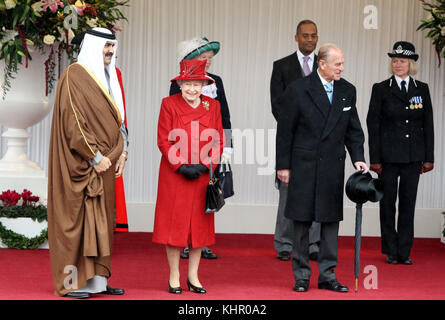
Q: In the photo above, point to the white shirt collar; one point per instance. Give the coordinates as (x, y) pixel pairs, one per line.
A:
(323, 81)
(310, 61)
(399, 81)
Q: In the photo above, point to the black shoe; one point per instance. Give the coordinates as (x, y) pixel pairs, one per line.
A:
(195, 289)
(283, 256)
(77, 295)
(313, 256)
(407, 261)
(391, 259)
(333, 285)
(113, 291)
(185, 253)
(177, 290)
(206, 253)
(301, 285)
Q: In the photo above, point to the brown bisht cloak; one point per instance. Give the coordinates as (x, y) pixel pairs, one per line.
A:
(81, 203)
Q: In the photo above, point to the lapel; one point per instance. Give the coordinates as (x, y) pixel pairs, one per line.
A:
(318, 94)
(395, 90)
(187, 114)
(336, 110)
(297, 71)
(315, 65)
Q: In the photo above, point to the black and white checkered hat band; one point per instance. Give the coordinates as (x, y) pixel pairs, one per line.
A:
(404, 52)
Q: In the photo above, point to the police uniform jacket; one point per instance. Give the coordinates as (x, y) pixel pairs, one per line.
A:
(400, 130)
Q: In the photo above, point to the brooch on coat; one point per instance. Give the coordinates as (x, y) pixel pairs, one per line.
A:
(206, 105)
(416, 103)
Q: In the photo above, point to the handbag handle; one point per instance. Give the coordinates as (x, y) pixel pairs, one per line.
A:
(211, 170)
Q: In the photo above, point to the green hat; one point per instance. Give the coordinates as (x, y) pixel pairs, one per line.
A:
(189, 49)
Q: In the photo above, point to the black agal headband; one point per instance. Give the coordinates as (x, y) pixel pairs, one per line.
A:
(79, 38)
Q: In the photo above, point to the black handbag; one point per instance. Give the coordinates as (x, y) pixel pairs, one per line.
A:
(214, 195)
(224, 173)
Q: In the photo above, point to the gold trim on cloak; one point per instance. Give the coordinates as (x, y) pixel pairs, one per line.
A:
(93, 76)
(99, 83)
(74, 110)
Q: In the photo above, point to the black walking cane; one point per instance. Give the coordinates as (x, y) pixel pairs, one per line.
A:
(360, 189)
(357, 242)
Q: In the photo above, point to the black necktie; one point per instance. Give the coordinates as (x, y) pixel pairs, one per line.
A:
(404, 92)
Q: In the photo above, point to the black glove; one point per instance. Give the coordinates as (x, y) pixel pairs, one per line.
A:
(192, 171)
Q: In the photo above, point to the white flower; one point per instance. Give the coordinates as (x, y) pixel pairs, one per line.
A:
(9, 35)
(10, 4)
(38, 6)
(49, 39)
(92, 22)
(443, 31)
(71, 35)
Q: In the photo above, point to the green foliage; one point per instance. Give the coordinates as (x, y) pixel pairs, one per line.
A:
(28, 22)
(17, 241)
(435, 24)
(36, 213)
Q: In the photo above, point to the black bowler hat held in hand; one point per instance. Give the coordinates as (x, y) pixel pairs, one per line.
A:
(362, 188)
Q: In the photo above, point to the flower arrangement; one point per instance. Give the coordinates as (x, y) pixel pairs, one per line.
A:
(49, 26)
(10, 207)
(435, 23)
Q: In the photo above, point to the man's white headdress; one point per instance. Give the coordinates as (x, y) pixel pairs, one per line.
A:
(91, 57)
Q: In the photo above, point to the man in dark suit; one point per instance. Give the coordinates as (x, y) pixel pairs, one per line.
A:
(321, 120)
(295, 66)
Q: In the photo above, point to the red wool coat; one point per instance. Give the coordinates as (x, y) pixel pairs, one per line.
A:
(180, 205)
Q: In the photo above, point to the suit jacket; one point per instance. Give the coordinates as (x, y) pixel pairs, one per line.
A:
(311, 141)
(285, 71)
(397, 133)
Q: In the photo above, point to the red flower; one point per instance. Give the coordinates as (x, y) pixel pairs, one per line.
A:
(91, 11)
(28, 198)
(10, 198)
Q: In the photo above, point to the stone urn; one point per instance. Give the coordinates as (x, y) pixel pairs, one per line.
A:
(25, 105)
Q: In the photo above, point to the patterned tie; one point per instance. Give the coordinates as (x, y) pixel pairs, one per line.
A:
(329, 90)
(306, 69)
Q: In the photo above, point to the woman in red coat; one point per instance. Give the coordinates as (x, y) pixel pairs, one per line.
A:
(189, 132)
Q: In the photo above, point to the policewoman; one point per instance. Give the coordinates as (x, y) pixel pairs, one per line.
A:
(401, 148)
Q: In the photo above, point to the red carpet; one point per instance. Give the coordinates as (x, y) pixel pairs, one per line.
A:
(246, 269)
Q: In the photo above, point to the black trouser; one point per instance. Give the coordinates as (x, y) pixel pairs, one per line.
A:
(398, 243)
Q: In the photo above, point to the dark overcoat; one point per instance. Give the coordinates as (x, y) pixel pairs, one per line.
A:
(311, 141)
(399, 132)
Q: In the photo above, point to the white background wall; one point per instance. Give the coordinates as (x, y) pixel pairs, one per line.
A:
(254, 33)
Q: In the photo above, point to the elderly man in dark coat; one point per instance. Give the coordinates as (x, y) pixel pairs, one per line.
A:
(321, 120)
